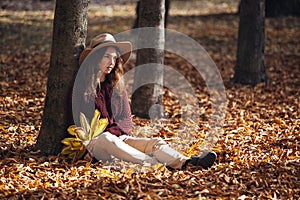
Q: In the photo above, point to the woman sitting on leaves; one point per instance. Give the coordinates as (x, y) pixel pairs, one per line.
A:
(104, 90)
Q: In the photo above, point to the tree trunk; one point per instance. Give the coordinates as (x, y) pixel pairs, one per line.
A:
(250, 68)
(137, 13)
(282, 8)
(147, 99)
(277, 8)
(69, 34)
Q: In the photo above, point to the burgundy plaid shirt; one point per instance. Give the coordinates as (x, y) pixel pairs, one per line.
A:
(115, 107)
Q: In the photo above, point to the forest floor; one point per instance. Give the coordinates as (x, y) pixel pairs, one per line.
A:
(258, 148)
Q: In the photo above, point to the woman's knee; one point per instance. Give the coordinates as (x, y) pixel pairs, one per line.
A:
(107, 137)
(158, 142)
(100, 140)
(103, 142)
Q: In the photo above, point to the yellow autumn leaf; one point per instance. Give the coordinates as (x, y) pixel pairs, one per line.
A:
(67, 141)
(67, 150)
(81, 134)
(76, 143)
(84, 122)
(94, 124)
(73, 143)
(75, 147)
(100, 127)
(71, 130)
(95, 117)
(47, 184)
(106, 173)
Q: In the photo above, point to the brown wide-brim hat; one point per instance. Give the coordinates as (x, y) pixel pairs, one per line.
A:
(106, 40)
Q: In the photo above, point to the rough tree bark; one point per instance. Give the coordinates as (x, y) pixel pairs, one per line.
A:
(250, 68)
(278, 8)
(147, 100)
(69, 34)
(282, 8)
(137, 12)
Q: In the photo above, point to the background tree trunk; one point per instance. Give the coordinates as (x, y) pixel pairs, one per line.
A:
(250, 68)
(282, 8)
(137, 12)
(69, 34)
(145, 98)
(277, 8)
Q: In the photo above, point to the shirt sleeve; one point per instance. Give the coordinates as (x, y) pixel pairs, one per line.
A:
(123, 119)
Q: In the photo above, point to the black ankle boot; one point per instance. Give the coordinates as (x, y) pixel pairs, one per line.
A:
(206, 160)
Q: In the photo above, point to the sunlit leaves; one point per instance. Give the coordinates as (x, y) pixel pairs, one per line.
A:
(75, 147)
(98, 125)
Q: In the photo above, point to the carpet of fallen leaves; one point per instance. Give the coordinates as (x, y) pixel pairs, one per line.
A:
(258, 151)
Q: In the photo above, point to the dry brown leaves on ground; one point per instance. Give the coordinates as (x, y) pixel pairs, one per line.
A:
(258, 150)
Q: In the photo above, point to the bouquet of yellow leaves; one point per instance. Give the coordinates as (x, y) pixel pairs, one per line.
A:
(75, 147)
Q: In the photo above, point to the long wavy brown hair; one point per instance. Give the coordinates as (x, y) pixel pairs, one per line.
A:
(114, 78)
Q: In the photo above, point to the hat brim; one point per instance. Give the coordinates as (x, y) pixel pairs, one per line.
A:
(124, 47)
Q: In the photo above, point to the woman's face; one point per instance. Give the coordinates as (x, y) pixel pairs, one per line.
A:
(108, 61)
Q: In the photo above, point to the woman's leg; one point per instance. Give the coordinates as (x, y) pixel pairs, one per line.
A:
(158, 148)
(106, 146)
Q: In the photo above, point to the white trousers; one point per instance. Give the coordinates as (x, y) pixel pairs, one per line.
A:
(136, 150)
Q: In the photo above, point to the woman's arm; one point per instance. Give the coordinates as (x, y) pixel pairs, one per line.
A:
(122, 119)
